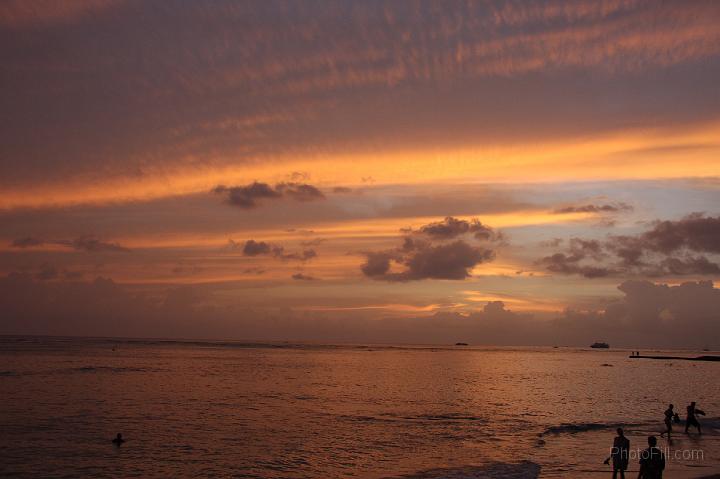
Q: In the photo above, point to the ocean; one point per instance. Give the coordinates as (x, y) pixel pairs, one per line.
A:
(285, 410)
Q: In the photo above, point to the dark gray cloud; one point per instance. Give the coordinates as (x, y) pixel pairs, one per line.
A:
(313, 242)
(578, 250)
(303, 277)
(667, 248)
(377, 263)
(257, 271)
(569, 264)
(250, 196)
(695, 232)
(86, 243)
(27, 242)
(304, 255)
(258, 248)
(690, 265)
(553, 243)
(592, 208)
(427, 254)
(300, 191)
(450, 228)
(49, 272)
(94, 245)
(247, 196)
(445, 261)
(255, 248)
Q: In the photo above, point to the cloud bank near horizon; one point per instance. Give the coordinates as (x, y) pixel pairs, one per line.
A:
(647, 315)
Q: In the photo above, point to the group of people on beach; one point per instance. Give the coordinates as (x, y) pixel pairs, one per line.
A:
(690, 420)
(652, 459)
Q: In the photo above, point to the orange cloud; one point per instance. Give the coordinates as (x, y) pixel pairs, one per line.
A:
(630, 154)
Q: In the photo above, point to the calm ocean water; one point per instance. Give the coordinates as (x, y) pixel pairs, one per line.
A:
(204, 409)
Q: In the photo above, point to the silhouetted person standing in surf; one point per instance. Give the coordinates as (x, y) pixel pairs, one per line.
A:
(652, 461)
(691, 419)
(118, 440)
(669, 414)
(619, 454)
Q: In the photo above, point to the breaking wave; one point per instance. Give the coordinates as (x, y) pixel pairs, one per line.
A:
(520, 470)
(574, 428)
(444, 417)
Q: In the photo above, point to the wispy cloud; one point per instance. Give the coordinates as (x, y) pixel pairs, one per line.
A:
(87, 243)
(596, 208)
(45, 13)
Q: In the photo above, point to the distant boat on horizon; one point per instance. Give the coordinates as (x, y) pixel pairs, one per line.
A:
(600, 345)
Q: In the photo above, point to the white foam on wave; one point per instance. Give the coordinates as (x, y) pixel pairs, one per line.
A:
(574, 428)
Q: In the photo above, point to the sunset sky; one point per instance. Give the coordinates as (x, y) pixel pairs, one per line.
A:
(362, 171)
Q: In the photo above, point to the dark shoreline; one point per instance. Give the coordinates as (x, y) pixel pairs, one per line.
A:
(682, 358)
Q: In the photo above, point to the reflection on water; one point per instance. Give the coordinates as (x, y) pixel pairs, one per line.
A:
(312, 411)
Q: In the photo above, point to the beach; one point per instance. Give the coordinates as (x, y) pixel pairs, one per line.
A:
(284, 410)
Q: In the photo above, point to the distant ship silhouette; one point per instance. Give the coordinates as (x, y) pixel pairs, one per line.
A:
(600, 345)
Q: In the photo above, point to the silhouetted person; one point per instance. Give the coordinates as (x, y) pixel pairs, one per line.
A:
(691, 419)
(669, 415)
(118, 440)
(619, 454)
(652, 461)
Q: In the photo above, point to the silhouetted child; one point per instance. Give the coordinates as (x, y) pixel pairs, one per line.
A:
(118, 440)
(619, 454)
(652, 461)
(691, 420)
(669, 414)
